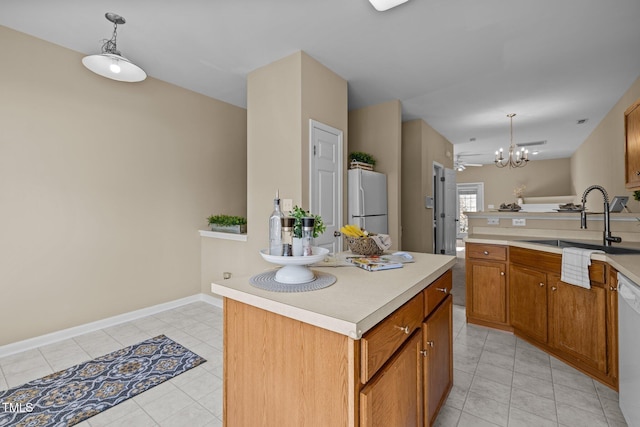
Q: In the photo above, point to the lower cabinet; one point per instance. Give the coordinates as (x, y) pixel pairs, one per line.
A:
(573, 323)
(394, 396)
(283, 372)
(438, 354)
(412, 383)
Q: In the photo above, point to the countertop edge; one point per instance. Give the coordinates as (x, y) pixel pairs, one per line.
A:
(623, 263)
(353, 330)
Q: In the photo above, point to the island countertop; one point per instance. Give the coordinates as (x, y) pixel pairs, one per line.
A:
(354, 304)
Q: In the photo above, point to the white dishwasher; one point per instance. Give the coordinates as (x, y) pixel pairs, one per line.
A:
(629, 349)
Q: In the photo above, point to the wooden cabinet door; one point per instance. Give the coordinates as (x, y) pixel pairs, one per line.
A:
(487, 291)
(632, 147)
(528, 302)
(577, 322)
(394, 396)
(438, 356)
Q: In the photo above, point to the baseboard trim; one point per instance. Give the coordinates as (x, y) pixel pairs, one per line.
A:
(42, 340)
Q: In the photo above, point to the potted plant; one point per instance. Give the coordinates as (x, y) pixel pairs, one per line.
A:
(360, 160)
(318, 227)
(228, 223)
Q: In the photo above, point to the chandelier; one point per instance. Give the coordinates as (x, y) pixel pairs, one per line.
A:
(516, 159)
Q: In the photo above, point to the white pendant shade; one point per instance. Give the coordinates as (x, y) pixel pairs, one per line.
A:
(382, 5)
(114, 67)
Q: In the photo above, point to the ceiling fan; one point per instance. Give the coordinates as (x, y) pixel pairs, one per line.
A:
(461, 165)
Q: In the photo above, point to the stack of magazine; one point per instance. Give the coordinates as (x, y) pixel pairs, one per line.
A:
(376, 263)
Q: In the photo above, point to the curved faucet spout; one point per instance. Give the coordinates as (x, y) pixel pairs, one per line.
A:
(607, 237)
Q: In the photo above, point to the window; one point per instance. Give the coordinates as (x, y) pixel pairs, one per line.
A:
(470, 199)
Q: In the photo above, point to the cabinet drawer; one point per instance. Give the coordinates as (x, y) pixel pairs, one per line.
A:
(492, 252)
(379, 344)
(436, 292)
(552, 263)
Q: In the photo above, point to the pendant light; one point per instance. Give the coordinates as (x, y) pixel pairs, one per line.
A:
(382, 5)
(110, 63)
(516, 159)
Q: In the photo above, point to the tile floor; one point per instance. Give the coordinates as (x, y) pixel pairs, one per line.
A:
(499, 380)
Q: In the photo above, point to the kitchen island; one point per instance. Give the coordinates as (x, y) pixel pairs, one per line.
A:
(372, 349)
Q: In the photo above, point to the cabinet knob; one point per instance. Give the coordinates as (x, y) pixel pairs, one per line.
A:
(541, 284)
(445, 290)
(486, 252)
(423, 353)
(430, 344)
(612, 289)
(502, 273)
(553, 288)
(404, 329)
(637, 173)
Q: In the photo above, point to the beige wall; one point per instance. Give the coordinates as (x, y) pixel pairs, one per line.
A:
(600, 159)
(421, 147)
(281, 98)
(103, 187)
(377, 130)
(541, 178)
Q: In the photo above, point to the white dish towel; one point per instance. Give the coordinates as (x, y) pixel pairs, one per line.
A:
(575, 266)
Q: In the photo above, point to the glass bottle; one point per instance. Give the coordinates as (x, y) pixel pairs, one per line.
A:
(275, 228)
(307, 235)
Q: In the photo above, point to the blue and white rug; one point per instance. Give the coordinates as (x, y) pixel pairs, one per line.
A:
(68, 397)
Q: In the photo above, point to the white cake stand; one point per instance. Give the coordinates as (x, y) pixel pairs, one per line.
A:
(294, 268)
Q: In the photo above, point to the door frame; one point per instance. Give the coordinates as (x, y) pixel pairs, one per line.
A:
(313, 198)
(479, 201)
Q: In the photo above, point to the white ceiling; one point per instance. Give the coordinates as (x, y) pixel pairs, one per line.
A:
(460, 65)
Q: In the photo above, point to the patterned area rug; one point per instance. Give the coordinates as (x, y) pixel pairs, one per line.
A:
(68, 397)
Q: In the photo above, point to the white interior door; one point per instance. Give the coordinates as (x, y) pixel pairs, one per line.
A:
(450, 214)
(326, 181)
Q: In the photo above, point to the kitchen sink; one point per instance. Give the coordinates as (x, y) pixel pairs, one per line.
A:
(613, 250)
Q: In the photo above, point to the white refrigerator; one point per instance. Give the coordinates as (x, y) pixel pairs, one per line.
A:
(368, 200)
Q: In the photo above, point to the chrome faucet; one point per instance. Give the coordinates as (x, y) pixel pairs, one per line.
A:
(607, 238)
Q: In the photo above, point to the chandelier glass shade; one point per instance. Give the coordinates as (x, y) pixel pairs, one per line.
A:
(110, 63)
(516, 158)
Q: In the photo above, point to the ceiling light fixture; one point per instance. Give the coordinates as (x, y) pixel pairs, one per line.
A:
(518, 159)
(110, 63)
(382, 5)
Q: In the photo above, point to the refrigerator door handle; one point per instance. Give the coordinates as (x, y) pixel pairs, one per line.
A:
(361, 197)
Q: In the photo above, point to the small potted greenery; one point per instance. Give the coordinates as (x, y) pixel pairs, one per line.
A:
(228, 223)
(318, 227)
(360, 160)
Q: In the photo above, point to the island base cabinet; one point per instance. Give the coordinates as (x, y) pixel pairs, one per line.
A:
(438, 359)
(394, 396)
(284, 372)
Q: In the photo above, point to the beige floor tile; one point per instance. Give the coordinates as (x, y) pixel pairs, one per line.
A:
(469, 420)
(487, 409)
(491, 389)
(193, 415)
(534, 404)
(121, 410)
(533, 385)
(520, 418)
(577, 417)
(579, 399)
(448, 417)
(137, 418)
(167, 405)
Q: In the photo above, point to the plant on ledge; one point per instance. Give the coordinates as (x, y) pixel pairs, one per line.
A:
(228, 223)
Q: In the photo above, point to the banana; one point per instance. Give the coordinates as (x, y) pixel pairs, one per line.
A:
(351, 230)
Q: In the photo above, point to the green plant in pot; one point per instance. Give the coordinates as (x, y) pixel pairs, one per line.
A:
(298, 213)
(358, 156)
(228, 223)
